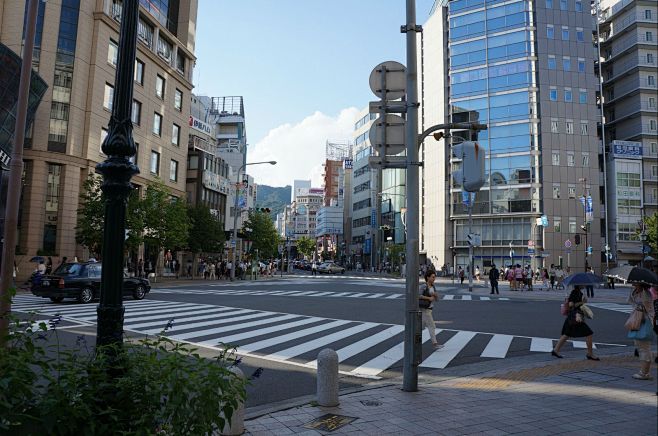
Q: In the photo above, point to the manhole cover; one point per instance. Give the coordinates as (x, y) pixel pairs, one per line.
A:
(371, 403)
(329, 422)
(591, 376)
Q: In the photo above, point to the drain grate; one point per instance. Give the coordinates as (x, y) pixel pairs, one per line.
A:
(371, 403)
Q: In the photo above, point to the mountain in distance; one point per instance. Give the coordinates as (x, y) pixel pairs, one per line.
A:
(274, 198)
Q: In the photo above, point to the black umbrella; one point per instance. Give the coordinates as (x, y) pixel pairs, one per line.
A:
(37, 259)
(633, 274)
(583, 279)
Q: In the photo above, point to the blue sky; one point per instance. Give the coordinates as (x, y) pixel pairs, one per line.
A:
(302, 67)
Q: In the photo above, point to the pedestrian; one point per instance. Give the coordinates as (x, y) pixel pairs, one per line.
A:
(590, 288)
(518, 277)
(460, 273)
(551, 276)
(14, 273)
(314, 268)
(574, 326)
(426, 304)
(544, 278)
(641, 299)
(41, 268)
(49, 265)
(477, 273)
(493, 278)
(140, 268)
(213, 268)
(189, 268)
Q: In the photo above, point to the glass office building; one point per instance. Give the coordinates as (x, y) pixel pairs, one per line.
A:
(525, 68)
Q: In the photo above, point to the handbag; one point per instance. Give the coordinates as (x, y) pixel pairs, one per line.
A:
(422, 303)
(634, 320)
(587, 311)
(564, 307)
(643, 333)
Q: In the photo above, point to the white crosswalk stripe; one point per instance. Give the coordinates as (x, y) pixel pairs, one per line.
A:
(326, 294)
(625, 308)
(365, 349)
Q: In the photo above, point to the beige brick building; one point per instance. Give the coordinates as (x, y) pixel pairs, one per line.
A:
(75, 53)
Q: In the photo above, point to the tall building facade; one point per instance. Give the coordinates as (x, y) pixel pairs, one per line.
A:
(629, 67)
(76, 54)
(525, 68)
(332, 175)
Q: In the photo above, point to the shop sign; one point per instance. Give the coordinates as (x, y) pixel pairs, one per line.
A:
(627, 149)
(632, 193)
(199, 125)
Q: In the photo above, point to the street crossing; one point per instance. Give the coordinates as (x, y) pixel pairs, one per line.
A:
(625, 308)
(326, 294)
(365, 349)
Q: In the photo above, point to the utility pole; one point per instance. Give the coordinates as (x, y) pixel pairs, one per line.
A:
(412, 340)
(16, 170)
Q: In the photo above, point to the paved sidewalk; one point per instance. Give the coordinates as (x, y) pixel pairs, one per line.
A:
(535, 395)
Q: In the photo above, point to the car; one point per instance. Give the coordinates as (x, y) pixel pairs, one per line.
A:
(330, 268)
(82, 280)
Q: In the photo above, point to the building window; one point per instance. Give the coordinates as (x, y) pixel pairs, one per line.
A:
(173, 171)
(585, 160)
(580, 34)
(654, 171)
(155, 163)
(178, 100)
(649, 58)
(550, 31)
(651, 80)
(557, 224)
(104, 133)
(136, 115)
(652, 102)
(555, 158)
(566, 63)
(553, 94)
(180, 62)
(649, 36)
(563, 5)
(627, 232)
(556, 192)
(582, 96)
(159, 86)
(112, 53)
(652, 125)
(565, 33)
(175, 135)
(654, 148)
(569, 127)
(165, 49)
(572, 225)
(133, 159)
(581, 65)
(551, 62)
(579, 6)
(647, 14)
(108, 97)
(157, 124)
(145, 32)
(583, 128)
(572, 191)
(571, 159)
(549, 4)
(554, 126)
(139, 72)
(568, 96)
(52, 208)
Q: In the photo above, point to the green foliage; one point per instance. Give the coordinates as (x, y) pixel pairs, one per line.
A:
(206, 233)
(91, 217)
(153, 386)
(263, 234)
(651, 228)
(165, 218)
(306, 246)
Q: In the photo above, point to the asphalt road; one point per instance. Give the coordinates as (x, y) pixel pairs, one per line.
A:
(280, 325)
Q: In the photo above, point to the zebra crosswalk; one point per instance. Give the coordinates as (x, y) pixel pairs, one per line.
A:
(365, 349)
(326, 294)
(625, 308)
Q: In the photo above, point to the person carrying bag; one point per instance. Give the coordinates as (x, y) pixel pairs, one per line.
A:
(640, 331)
(426, 304)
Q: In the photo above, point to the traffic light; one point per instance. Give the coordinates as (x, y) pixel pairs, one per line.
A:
(577, 239)
(471, 174)
(264, 209)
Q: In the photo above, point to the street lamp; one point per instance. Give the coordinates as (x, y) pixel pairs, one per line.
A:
(235, 213)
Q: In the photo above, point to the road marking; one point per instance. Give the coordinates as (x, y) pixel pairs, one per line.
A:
(542, 345)
(359, 295)
(255, 346)
(581, 344)
(448, 297)
(498, 346)
(385, 360)
(165, 311)
(222, 318)
(467, 297)
(241, 326)
(180, 318)
(442, 357)
(376, 295)
(624, 308)
(263, 331)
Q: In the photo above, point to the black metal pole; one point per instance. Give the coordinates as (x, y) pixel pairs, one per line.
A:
(117, 171)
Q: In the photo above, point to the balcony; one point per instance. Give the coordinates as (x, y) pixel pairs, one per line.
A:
(618, 26)
(650, 178)
(620, 47)
(619, 69)
(630, 110)
(651, 200)
(622, 89)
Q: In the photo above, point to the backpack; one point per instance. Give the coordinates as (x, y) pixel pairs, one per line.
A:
(425, 304)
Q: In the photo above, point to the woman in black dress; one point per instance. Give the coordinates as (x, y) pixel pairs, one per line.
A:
(575, 326)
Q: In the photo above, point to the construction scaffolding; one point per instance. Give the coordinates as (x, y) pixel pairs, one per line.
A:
(335, 150)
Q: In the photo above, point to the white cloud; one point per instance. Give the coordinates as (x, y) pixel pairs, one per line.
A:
(299, 149)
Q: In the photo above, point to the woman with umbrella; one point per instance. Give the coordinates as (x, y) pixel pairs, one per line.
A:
(574, 326)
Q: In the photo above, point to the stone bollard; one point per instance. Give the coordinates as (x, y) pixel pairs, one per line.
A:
(236, 425)
(327, 376)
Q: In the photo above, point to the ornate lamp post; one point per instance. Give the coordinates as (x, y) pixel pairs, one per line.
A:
(235, 214)
(117, 171)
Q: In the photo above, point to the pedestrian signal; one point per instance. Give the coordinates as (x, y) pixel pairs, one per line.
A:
(264, 209)
(577, 239)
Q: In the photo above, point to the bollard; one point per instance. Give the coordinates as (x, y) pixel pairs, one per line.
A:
(236, 425)
(327, 376)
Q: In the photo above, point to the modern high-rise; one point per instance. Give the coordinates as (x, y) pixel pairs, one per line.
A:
(629, 65)
(526, 69)
(76, 54)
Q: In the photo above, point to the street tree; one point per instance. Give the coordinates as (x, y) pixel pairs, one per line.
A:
(91, 213)
(651, 229)
(263, 234)
(306, 246)
(206, 233)
(165, 218)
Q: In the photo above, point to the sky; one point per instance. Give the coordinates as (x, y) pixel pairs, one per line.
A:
(302, 67)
